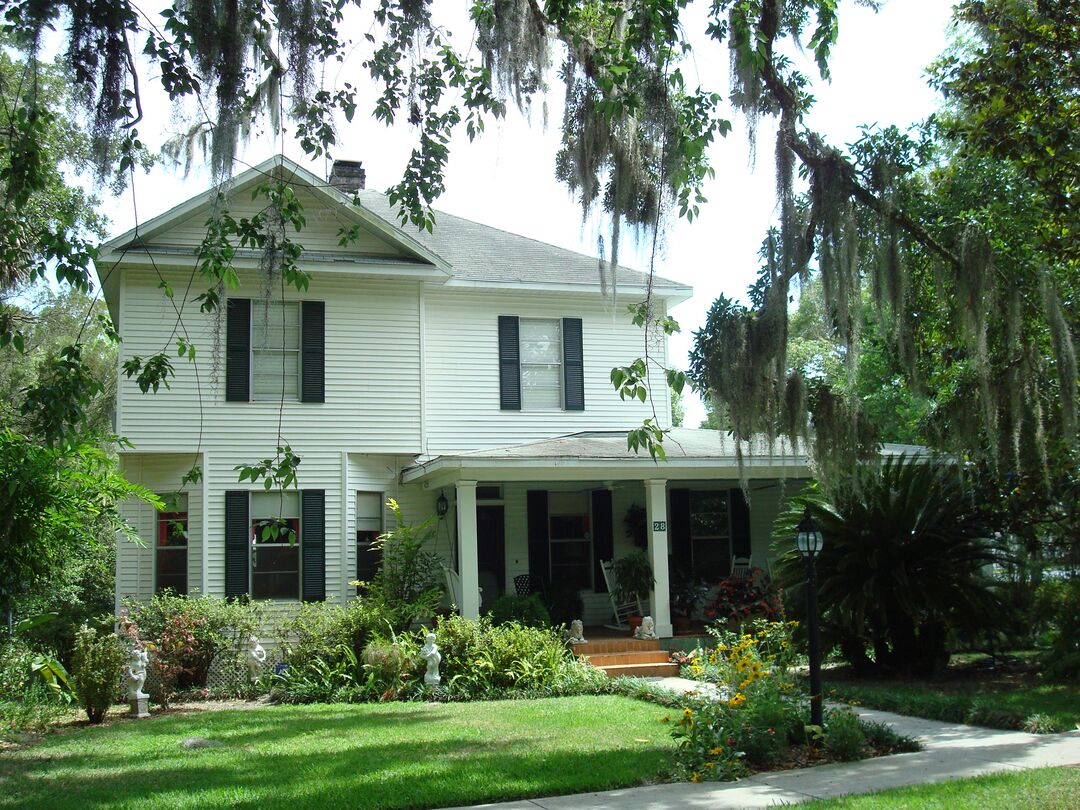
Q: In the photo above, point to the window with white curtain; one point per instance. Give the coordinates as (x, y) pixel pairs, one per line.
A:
(541, 363)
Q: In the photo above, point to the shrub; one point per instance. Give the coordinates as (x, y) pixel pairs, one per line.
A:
(96, 665)
(34, 709)
(409, 583)
(525, 610)
(740, 599)
(217, 627)
(1057, 602)
(563, 603)
(325, 630)
(391, 665)
(319, 679)
(1042, 724)
(845, 739)
(884, 740)
(904, 565)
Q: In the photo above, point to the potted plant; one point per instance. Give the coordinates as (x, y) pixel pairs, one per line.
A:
(633, 580)
(687, 595)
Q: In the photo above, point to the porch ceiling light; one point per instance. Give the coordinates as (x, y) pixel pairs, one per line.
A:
(442, 506)
(808, 537)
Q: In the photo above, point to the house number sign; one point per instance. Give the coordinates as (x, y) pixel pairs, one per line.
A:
(659, 525)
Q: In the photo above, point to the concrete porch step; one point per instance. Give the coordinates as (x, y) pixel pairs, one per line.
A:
(641, 670)
(603, 660)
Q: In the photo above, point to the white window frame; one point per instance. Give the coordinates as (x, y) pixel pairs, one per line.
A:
(726, 495)
(559, 365)
(357, 527)
(276, 396)
(297, 545)
(181, 507)
(553, 495)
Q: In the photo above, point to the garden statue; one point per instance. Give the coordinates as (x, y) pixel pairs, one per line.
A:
(135, 679)
(647, 628)
(254, 656)
(577, 632)
(430, 653)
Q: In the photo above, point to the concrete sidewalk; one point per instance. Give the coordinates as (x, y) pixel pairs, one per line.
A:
(952, 751)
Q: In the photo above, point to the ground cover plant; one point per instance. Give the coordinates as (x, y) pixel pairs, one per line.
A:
(1039, 789)
(376, 756)
(1013, 700)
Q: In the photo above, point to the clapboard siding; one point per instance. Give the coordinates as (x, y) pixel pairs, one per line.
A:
(461, 369)
(372, 373)
(320, 233)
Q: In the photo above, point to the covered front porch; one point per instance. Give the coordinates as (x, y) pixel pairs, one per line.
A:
(541, 516)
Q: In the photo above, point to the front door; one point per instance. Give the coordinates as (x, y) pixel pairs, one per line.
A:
(491, 554)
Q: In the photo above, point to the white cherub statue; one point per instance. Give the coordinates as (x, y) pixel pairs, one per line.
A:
(577, 632)
(135, 674)
(254, 656)
(430, 653)
(647, 628)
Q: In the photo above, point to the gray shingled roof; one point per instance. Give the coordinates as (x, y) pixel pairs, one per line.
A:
(482, 253)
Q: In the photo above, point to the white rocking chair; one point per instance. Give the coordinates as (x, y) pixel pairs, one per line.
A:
(622, 611)
(740, 568)
(453, 587)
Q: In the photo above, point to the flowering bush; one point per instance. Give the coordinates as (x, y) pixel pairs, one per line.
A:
(739, 599)
(756, 712)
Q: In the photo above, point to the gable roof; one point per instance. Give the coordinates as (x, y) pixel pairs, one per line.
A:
(468, 253)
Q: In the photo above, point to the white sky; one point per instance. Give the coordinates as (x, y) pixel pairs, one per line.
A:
(506, 178)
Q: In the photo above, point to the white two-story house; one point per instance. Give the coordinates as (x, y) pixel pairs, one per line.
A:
(468, 367)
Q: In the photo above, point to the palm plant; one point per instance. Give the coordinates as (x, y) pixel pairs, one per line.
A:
(905, 562)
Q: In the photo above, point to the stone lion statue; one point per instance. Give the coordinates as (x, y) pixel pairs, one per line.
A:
(647, 628)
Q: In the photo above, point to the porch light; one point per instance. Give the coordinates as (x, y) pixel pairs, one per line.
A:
(809, 541)
(809, 538)
(442, 506)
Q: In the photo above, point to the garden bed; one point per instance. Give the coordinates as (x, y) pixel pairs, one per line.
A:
(1010, 695)
(325, 756)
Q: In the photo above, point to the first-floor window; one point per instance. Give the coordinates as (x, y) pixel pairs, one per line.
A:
(171, 546)
(710, 534)
(369, 525)
(571, 543)
(275, 545)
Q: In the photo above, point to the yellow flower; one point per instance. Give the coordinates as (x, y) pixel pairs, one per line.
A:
(695, 777)
(687, 713)
(738, 700)
(715, 751)
(710, 764)
(665, 719)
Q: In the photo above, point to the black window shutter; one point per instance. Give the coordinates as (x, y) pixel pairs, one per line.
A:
(238, 350)
(237, 543)
(509, 364)
(573, 365)
(603, 536)
(313, 351)
(313, 544)
(679, 531)
(536, 508)
(740, 524)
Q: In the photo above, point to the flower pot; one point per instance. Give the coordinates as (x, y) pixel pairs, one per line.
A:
(635, 622)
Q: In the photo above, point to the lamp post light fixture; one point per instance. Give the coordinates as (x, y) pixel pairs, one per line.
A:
(442, 505)
(809, 541)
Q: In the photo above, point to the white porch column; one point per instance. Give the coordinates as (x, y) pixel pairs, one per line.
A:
(468, 564)
(657, 517)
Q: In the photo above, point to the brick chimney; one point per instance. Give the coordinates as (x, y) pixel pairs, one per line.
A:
(348, 176)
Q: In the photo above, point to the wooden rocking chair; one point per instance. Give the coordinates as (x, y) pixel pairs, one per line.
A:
(740, 568)
(453, 587)
(622, 611)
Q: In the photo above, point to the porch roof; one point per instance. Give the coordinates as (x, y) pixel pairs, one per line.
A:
(603, 455)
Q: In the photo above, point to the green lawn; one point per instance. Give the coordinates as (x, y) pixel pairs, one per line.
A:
(386, 755)
(981, 703)
(1042, 789)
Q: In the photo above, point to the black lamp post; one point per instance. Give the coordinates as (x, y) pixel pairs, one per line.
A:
(809, 542)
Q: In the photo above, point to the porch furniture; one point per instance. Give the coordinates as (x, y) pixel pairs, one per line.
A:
(523, 585)
(453, 587)
(622, 611)
(740, 568)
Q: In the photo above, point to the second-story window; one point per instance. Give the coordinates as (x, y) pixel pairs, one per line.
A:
(541, 363)
(275, 350)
